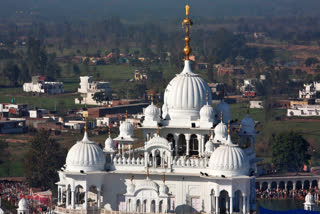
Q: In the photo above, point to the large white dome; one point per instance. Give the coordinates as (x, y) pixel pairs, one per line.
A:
(85, 155)
(229, 160)
(220, 133)
(223, 108)
(109, 145)
(185, 95)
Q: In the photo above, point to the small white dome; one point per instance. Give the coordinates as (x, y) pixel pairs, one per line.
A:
(209, 146)
(126, 129)
(131, 188)
(23, 204)
(223, 108)
(109, 145)
(229, 160)
(207, 113)
(85, 155)
(147, 184)
(247, 125)
(220, 133)
(152, 113)
(163, 190)
(309, 199)
(185, 95)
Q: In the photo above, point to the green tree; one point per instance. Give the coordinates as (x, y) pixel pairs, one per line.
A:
(44, 157)
(100, 96)
(289, 151)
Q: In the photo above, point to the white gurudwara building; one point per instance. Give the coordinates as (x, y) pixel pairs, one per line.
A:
(188, 163)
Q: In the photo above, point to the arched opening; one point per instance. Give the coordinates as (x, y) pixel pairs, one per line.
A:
(264, 186)
(157, 158)
(298, 185)
(289, 185)
(138, 206)
(145, 206)
(182, 145)
(281, 185)
(79, 195)
(160, 206)
(223, 202)
(92, 196)
(306, 185)
(237, 201)
(68, 195)
(314, 183)
(153, 206)
(258, 185)
(193, 145)
(274, 185)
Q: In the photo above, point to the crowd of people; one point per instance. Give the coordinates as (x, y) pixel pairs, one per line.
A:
(298, 194)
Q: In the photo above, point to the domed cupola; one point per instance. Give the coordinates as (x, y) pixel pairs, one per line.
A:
(126, 129)
(22, 206)
(152, 115)
(229, 160)
(85, 155)
(163, 190)
(130, 186)
(220, 131)
(309, 199)
(207, 113)
(185, 95)
(223, 108)
(109, 144)
(247, 125)
(209, 147)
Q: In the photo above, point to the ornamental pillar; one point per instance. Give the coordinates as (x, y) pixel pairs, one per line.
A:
(176, 140)
(98, 198)
(72, 199)
(67, 198)
(86, 199)
(217, 204)
(231, 205)
(243, 203)
(187, 137)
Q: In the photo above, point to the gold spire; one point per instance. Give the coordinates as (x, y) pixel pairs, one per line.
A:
(85, 124)
(151, 98)
(209, 133)
(131, 177)
(221, 117)
(207, 97)
(147, 172)
(164, 177)
(126, 114)
(188, 23)
(229, 127)
(158, 131)
(109, 131)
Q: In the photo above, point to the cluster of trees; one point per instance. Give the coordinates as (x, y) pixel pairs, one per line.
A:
(19, 66)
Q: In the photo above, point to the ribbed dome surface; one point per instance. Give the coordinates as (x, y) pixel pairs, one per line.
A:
(209, 146)
(247, 125)
(223, 108)
(85, 155)
(109, 145)
(152, 113)
(147, 184)
(221, 132)
(229, 160)
(126, 129)
(185, 94)
(207, 113)
(163, 190)
(23, 204)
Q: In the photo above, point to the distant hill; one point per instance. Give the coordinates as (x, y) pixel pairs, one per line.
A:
(156, 8)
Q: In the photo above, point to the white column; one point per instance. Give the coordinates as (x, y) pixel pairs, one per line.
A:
(217, 204)
(211, 209)
(187, 137)
(248, 205)
(59, 196)
(231, 205)
(72, 200)
(86, 199)
(202, 145)
(199, 144)
(98, 198)
(122, 145)
(243, 203)
(157, 206)
(67, 198)
(176, 139)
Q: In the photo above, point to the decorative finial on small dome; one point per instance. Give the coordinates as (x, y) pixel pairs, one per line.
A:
(131, 178)
(207, 97)
(147, 172)
(109, 131)
(221, 116)
(209, 133)
(126, 114)
(151, 98)
(188, 23)
(158, 131)
(229, 127)
(85, 124)
(164, 177)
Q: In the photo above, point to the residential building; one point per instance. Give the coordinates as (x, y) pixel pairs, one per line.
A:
(39, 85)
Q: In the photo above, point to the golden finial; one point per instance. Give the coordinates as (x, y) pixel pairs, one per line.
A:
(221, 117)
(109, 131)
(126, 114)
(151, 98)
(158, 131)
(188, 23)
(164, 177)
(147, 172)
(207, 97)
(131, 178)
(228, 127)
(85, 124)
(209, 133)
